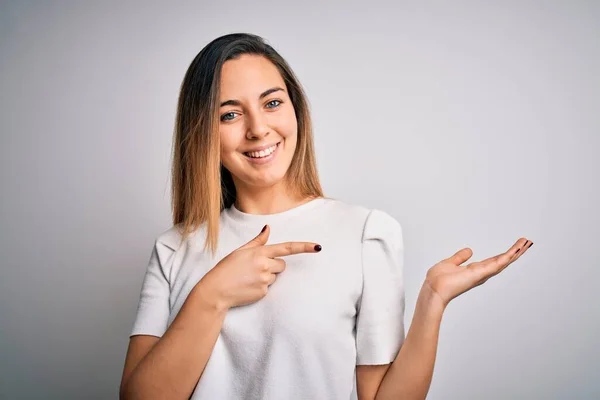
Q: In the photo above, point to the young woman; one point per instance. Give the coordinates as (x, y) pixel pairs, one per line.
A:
(264, 288)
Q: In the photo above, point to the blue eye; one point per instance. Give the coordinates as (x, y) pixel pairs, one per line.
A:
(230, 116)
(274, 101)
(224, 116)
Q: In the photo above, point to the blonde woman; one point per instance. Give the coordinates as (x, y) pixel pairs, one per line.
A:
(264, 288)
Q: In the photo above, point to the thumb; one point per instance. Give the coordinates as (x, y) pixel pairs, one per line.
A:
(460, 256)
(259, 240)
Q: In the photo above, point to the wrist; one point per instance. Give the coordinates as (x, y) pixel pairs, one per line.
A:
(430, 301)
(209, 297)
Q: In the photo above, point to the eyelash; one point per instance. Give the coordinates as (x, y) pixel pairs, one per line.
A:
(279, 102)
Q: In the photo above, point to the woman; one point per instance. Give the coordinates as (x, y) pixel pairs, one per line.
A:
(264, 288)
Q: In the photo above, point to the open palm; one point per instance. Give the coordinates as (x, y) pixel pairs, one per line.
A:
(450, 279)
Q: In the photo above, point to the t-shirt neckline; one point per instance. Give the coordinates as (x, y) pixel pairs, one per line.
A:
(240, 216)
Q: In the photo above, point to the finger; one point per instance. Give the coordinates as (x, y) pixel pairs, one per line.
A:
(490, 267)
(258, 240)
(272, 279)
(289, 248)
(494, 265)
(276, 265)
(522, 247)
(511, 254)
(460, 256)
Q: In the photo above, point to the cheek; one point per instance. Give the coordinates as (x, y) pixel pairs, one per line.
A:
(228, 147)
(290, 125)
(231, 136)
(224, 148)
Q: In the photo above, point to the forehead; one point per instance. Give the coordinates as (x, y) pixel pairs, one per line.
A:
(248, 75)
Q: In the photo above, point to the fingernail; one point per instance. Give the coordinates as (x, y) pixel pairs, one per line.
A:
(318, 247)
(263, 229)
(531, 245)
(517, 251)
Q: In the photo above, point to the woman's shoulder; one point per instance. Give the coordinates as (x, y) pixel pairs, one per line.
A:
(370, 215)
(171, 237)
(337, 207)
(174, 237)
(376, 223)
(170, 247)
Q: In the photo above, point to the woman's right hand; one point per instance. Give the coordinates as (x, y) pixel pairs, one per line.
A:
(244, 275)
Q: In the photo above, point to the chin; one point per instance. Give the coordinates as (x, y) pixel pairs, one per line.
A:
(265, 181)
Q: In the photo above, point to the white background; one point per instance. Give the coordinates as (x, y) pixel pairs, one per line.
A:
(473, 123)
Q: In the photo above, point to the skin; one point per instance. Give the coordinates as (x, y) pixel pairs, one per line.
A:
(409, 376)
(254, 122)
(254, 115)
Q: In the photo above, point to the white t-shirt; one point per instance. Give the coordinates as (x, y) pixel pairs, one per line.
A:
(325, 314)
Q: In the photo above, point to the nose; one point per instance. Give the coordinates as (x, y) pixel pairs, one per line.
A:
(257, 125)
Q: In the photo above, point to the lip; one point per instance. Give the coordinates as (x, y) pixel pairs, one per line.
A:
(264, 160)
(262, 147)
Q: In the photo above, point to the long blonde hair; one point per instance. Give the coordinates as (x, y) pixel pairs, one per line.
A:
(201, 186)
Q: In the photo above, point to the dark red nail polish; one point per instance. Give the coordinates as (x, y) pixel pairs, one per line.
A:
(318, 247)
(517, 251)
(263, 229)
(531, 245)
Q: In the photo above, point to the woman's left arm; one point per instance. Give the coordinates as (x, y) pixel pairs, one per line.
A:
(409, 376)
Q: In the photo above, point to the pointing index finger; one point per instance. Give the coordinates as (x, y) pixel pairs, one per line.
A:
(290, 248)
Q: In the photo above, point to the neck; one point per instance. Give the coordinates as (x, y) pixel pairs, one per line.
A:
(267, 200)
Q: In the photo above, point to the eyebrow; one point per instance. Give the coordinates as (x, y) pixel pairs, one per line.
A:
(262, 95)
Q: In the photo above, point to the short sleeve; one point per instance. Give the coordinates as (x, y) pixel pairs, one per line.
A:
(153, 307)
(380, 318)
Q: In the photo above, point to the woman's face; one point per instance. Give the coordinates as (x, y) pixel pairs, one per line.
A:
(258, 124)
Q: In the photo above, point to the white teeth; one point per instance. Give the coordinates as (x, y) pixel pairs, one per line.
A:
(262, 153)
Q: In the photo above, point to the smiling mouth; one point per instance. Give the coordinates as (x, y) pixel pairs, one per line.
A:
(263, 153)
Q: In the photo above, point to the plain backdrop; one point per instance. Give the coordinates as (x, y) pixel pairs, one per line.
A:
(472, 123)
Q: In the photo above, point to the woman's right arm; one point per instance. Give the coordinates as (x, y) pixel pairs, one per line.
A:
(169, 367)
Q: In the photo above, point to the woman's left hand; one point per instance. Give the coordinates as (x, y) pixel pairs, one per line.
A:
(450, 279)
